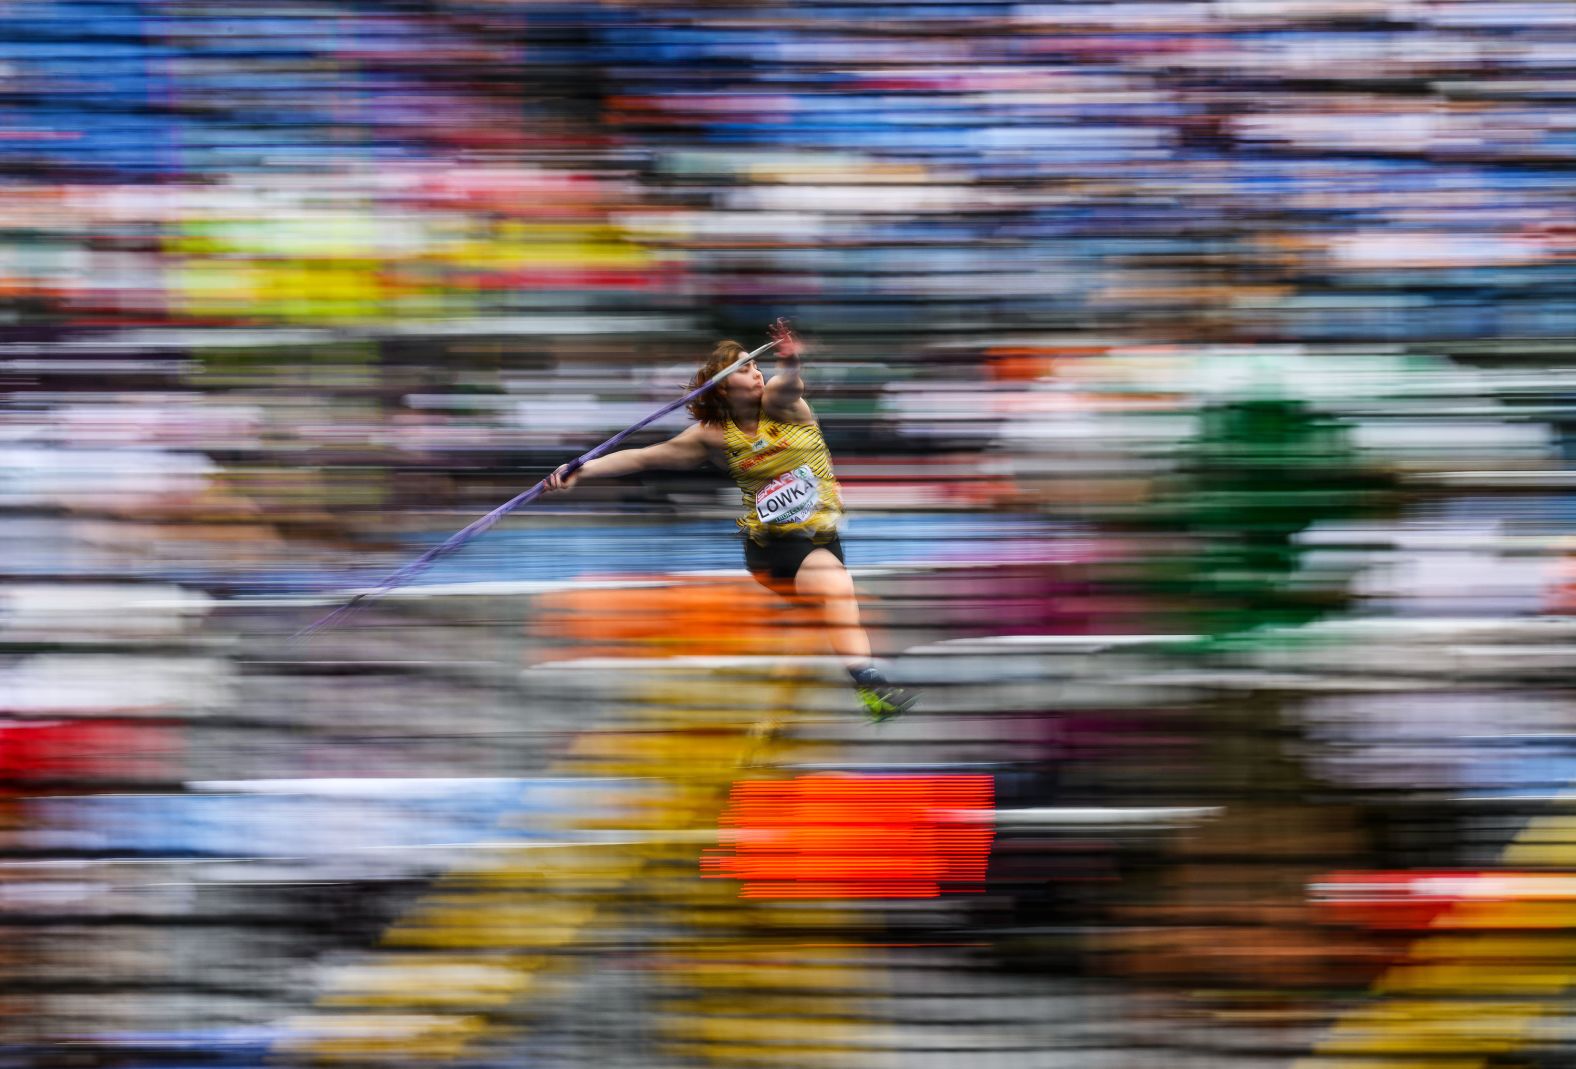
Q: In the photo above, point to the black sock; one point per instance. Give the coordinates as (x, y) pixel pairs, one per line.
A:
(867, 675)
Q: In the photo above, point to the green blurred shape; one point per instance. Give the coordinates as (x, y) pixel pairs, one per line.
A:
(1259, 472)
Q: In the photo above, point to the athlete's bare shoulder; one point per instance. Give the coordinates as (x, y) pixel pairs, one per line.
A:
(709, 434)
(709, 437)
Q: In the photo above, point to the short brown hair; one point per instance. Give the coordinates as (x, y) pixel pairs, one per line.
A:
(709, 408)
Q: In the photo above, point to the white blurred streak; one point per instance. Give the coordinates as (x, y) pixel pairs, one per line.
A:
(87, 479)
(90, 612)
(122, 685)
(1509, 14)
(1399, 10)
(1458, 436)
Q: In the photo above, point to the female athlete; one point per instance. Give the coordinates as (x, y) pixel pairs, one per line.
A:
(764, 434)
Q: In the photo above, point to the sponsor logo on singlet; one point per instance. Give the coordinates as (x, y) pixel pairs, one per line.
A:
(767, 451)
(792, 497)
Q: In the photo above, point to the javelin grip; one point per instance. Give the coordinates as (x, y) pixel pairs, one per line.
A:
(482, 524)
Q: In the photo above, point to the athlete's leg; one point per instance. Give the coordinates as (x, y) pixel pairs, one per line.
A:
(826, 585)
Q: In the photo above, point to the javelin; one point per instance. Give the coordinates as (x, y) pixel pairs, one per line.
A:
(481, 525)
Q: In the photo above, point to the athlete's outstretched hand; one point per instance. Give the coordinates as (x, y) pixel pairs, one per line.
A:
(562, 478)
(788, 343)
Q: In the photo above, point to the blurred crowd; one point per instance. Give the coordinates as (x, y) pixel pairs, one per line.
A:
(1198, 374)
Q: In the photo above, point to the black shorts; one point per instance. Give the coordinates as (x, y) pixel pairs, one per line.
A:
(780, 558)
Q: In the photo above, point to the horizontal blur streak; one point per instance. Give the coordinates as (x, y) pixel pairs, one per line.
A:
(1198, 376)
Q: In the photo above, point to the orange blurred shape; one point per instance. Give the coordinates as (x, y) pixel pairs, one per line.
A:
(1028, 363)
(842, 835)
(698, 618)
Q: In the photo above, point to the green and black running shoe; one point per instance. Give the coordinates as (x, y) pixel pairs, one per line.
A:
(886, 701)
(882, 700)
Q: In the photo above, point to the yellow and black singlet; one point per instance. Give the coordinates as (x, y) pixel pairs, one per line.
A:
(785, 474)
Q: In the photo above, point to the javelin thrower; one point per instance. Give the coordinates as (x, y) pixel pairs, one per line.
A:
(765, 435)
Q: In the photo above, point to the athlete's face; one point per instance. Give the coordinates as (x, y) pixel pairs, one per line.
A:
(745, 385)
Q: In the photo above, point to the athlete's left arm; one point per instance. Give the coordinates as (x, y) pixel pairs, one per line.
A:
(784, 397)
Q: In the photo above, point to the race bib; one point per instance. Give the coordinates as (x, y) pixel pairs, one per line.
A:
(792, 497)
